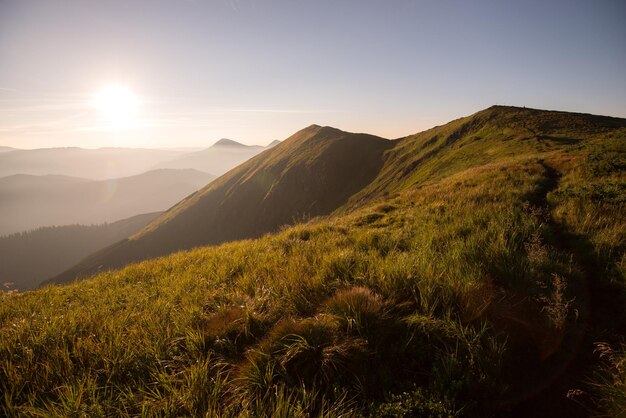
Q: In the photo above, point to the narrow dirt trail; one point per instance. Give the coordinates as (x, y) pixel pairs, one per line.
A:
(574, 361)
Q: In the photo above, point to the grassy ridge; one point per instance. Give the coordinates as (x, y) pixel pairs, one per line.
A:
(482, 138)
(477, 292)
(322, 170)
(423, 286)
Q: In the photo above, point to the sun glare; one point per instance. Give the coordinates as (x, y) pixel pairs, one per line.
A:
(117, 104)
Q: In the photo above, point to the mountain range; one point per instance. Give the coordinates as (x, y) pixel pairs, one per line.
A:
(94, 164)
(219, 158)
(50, 222)
(107, 163)
(474, 269)
(321, 170)
(56, 186)
(28, 202)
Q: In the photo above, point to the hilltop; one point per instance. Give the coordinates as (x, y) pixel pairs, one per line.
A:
(490, 135)
(475, 269)
(225, 142)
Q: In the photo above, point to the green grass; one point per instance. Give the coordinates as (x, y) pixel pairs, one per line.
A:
(457, 294)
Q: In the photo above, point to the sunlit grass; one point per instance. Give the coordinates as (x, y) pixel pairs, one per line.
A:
(410, 305)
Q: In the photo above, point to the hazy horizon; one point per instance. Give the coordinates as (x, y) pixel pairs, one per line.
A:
(189, 148)
(160, 74)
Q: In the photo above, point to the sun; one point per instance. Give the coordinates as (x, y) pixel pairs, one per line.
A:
(117, 104)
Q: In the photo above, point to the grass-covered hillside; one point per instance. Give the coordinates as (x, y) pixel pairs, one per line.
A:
(485, 278)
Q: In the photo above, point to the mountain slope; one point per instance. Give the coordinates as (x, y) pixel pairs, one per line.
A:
(293, 179)
(310, 174)
(493, 290)
(27, 259)
(222, 156)
(486, 136)
(94, 164)
(28, 202)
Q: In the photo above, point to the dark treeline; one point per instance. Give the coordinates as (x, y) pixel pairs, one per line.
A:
(29, 258)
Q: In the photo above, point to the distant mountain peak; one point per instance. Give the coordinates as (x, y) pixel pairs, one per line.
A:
(273, 143)
(224, 142)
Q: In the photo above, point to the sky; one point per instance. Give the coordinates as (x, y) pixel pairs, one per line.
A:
(259, 70)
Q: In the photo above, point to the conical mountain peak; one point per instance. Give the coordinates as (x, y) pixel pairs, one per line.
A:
(224, 142)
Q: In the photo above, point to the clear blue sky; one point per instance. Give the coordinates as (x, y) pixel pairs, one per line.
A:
(256, 70)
